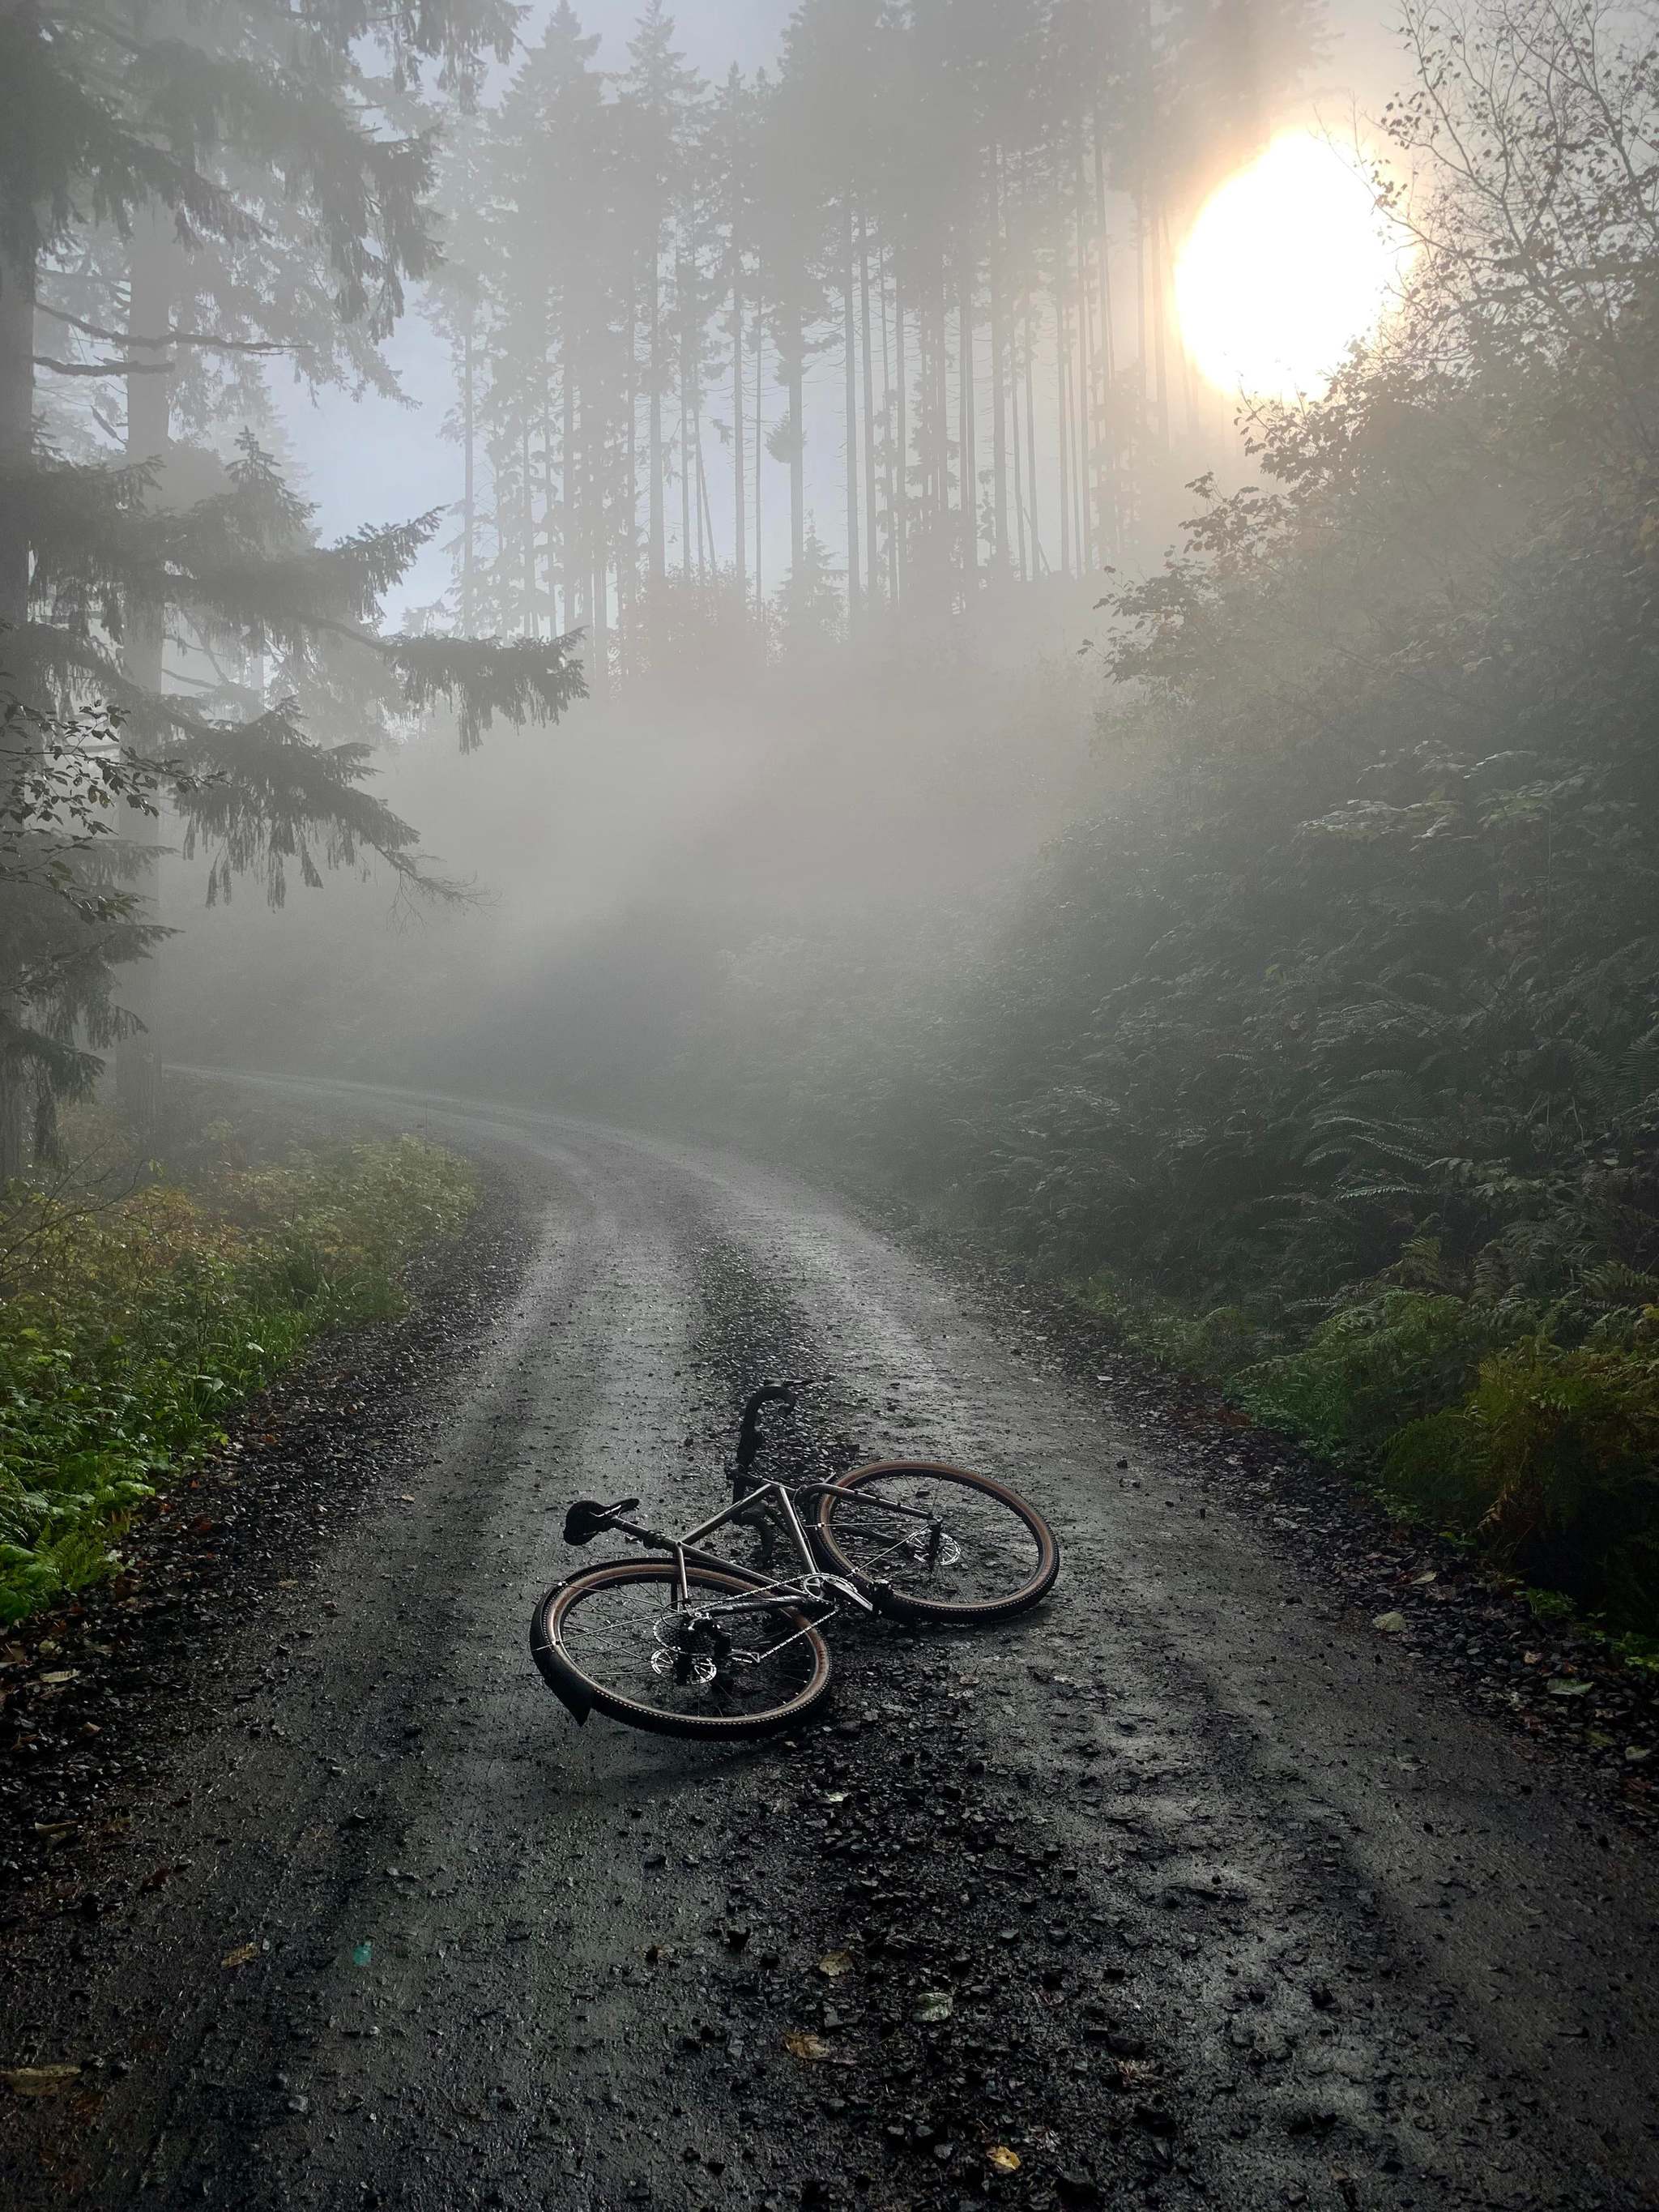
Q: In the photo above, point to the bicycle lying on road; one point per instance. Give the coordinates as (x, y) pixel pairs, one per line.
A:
(697, 1645)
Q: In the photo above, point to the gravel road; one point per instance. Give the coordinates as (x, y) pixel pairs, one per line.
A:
(1187, 1888)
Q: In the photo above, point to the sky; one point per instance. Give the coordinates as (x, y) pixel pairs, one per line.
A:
(371, 460)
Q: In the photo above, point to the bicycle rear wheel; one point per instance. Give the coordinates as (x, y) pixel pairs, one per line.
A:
(936, 1543)
(612, 1638)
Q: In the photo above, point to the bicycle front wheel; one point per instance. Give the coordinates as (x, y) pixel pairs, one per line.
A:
(936, 1543)
(613, 1638)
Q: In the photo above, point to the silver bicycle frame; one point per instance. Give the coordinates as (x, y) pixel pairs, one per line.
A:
(814, 1587)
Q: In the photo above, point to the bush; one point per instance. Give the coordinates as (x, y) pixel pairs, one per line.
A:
(1398, 1357)
(1552, 1463)
(127, 1334)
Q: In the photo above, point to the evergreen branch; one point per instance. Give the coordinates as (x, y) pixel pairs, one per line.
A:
(169, 339)
(103, 368)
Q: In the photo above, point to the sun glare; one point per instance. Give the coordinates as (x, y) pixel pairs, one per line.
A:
(1289, 262)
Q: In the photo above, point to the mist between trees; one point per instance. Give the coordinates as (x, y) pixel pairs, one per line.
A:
(935, 240)
(1280, 970)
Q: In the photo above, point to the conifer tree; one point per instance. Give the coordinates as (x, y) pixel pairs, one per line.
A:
(252, 176)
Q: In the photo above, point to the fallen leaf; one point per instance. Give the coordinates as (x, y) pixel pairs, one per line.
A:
(1636, 1752)
(800, 2043)
(1531, 1658)
(1002, 2160)
(243, 1955)
(60, 1674)
(1422, 1581)
(835, 1963)
(1389, 1623)
(38, 2081)
(835, 1797)
(1564, 1685)
(933, 2004)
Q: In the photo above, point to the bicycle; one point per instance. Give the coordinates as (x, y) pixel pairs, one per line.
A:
(695, 1646)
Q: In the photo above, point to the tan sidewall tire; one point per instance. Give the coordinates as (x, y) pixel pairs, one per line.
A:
(559, 1601)
(916, 1609)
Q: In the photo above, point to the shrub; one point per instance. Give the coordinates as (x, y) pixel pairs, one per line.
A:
(1400, 1356)
(1553, 1462)
(128, 1333)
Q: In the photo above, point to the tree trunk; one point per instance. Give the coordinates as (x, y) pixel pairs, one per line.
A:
(1019, 480)
(999, 435)
(17, 450)
(871, 534)
(1038, 560)
(568, 496)
(740, 559)
(685, 427)
(890, 491)
(658, 545)
(1062, 384)
(794, 371)
(901, 523)
(760, 445)
(850, 387)
(469, 500)
(965, 407)
(152, 278)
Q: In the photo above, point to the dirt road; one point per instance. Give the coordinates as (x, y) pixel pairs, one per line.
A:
(1186, 1888)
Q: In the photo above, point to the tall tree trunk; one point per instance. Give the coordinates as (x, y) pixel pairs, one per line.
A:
(527, 525)
(794, 372)
(1039, 559)
(685, 426)
(901, 522)
(740, 559)
(657, 553)
(965, 408)
(17, 450)
(152, 278)
(469, 494)
(888, 489)
(567, 494)
(999, 436)
(1159, 365)
(871, 532)
(760, 445)
(1062, 384)
(1086, 391)
(855, 596)
(1019, 474)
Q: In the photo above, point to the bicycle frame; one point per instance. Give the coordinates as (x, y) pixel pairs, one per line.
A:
(811, 1588)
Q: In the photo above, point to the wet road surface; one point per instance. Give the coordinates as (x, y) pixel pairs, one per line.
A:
(1186, 1889)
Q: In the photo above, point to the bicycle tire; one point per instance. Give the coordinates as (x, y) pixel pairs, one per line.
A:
(582, 1691)
(909, 1604)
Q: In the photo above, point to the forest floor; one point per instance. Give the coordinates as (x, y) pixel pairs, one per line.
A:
(1195, 1886)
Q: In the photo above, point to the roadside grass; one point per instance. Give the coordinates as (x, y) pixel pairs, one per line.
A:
(1527, 1434)
(129, 1330)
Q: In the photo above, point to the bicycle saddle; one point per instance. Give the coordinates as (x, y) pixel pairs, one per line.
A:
(586, 1518)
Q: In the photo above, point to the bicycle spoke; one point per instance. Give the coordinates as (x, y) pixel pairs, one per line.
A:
(629, 1637)
(965, 1546)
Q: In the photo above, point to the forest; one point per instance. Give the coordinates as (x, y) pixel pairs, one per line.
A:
(1272, 961)
(829, 1104)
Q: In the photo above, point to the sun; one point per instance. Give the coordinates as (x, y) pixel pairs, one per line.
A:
(1287, 265)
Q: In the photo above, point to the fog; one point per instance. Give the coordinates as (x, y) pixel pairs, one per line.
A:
(1040, 609)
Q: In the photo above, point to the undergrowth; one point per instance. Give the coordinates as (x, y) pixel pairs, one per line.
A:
(1529, 1432)
(126, 1334)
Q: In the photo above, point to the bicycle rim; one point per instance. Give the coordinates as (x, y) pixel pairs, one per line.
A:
(976, 1552)
(616, 1629)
